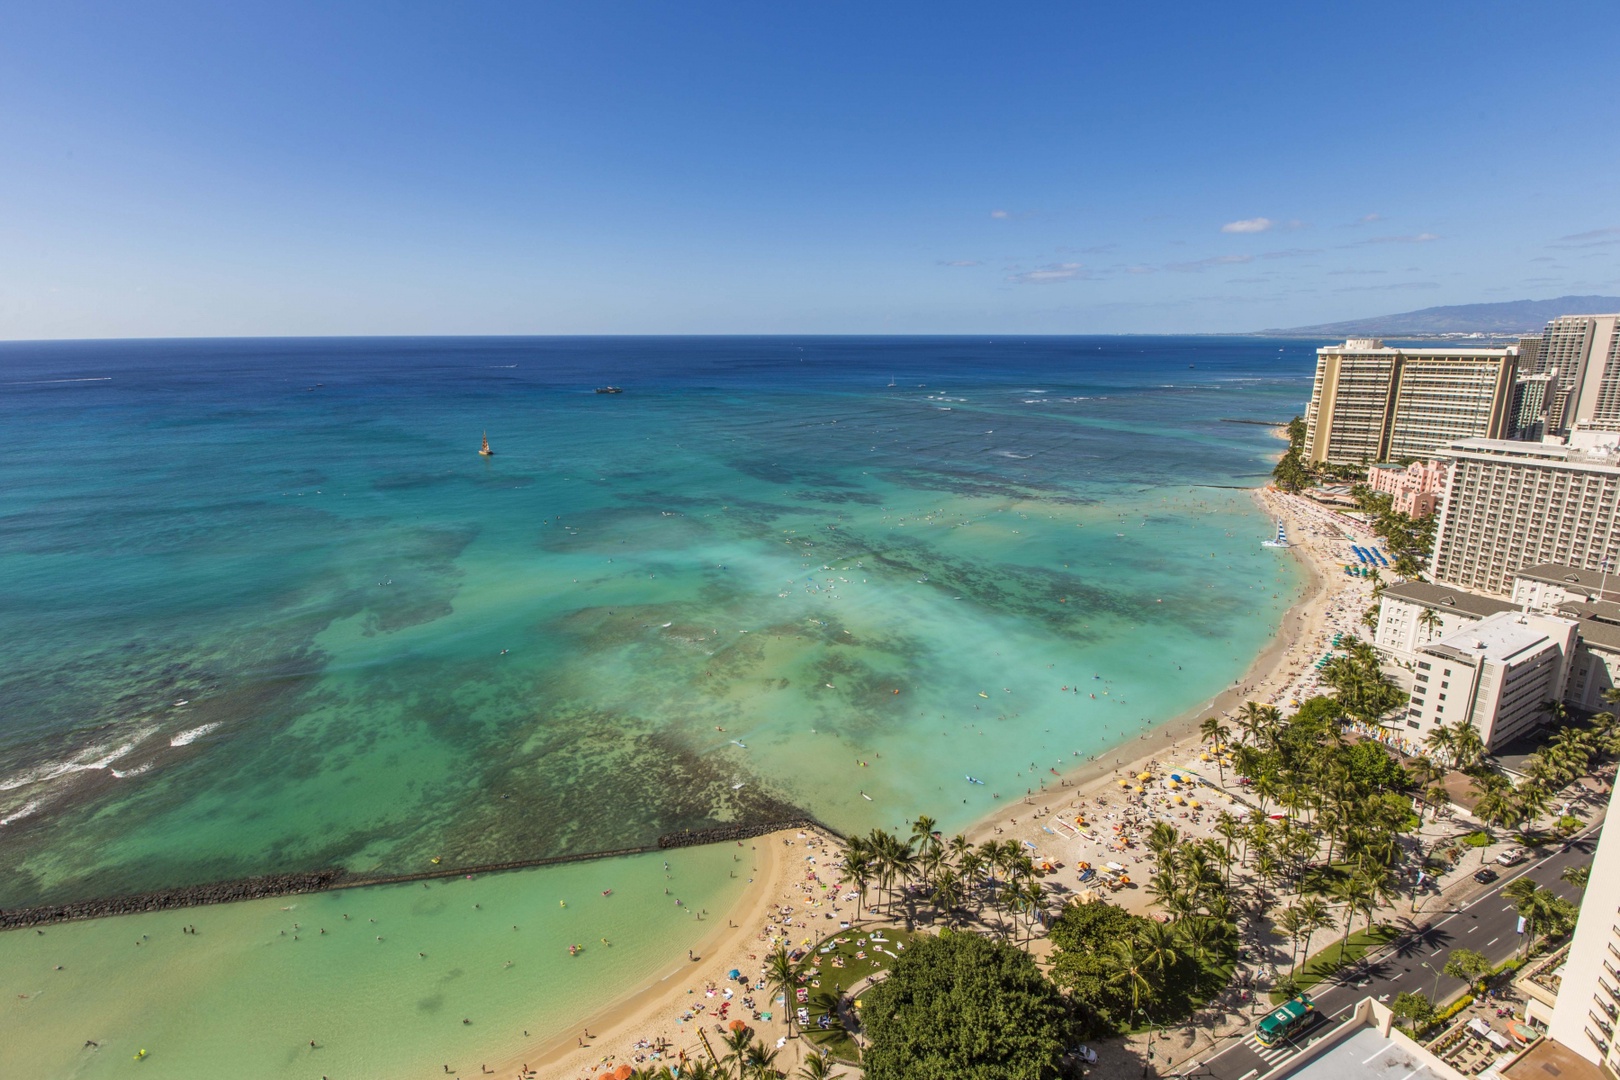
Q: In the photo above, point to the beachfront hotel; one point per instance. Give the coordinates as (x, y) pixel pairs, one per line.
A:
(1509, 505)
(1520, 651)
(1414, 490)
(1373, 403)
(1588, 1002)
(1496, 674)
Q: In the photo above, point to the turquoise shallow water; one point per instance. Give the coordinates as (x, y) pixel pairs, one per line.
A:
(245, 994)
(267, 610)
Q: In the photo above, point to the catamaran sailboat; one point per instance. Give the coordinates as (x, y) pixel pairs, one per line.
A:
(1282, 538)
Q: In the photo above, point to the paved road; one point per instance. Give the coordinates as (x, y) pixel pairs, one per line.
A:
(1488, 924)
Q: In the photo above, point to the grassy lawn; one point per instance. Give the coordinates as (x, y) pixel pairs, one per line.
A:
(859, 956)
(1328, 963)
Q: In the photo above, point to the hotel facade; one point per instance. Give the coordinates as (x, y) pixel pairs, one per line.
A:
(1373, 403)
(1509, 505)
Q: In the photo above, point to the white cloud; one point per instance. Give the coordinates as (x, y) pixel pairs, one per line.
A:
(1049, 274)
(960, 262)
(1248, 225)
(1368, 219)
(1000, 214)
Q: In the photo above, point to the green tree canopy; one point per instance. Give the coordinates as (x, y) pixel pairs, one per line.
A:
(966, 1007)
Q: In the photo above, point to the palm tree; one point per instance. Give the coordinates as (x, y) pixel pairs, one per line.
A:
(946, 895)
(1431, 622)
(1442, 743)
(1215, 735)
(858, 870)
(1314, 915)
(818, 1067)
(1162, 839)
(1468, 748)
(923, 836)
(1577, 875)
(1130, 969)
(737, 1043)
(1290, 925)
(1540, 909)
(782, 977)
(1161, 947)
(1229, 829)
(760, 1062)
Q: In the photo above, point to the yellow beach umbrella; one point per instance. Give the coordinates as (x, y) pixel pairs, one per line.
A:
(1145, 776)
(1124, 783)
(1193, 803)
(1203, 757)
(1139, 789)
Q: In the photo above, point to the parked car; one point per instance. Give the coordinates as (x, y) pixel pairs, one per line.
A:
(1513, 856)
(1485, 876)
(1086, 1054)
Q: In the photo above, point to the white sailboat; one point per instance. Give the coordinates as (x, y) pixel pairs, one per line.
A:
(1282, 537)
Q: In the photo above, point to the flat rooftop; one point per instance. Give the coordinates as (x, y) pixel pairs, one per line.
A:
(1501, 637)
(1531, 453)
(1366, 1055)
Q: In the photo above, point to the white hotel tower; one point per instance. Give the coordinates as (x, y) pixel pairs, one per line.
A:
(1589, 996)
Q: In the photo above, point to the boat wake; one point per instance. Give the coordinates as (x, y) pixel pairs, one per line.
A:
(185, 738)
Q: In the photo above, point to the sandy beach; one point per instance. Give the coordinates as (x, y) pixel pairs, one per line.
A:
(793, 896)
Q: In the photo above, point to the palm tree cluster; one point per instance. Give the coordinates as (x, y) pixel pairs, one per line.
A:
(742, 1059)
(1409, 540)
(952, 876)
(1363, 690)
(1569, 754)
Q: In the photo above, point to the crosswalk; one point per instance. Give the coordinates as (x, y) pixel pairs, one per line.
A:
(1271, 1055)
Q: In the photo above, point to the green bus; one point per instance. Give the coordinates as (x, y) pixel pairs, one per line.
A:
(1283, 1021)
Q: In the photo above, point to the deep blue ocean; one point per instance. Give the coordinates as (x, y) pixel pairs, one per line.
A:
(264, 607)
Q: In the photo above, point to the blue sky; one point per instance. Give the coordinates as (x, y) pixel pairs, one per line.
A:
(600, 167)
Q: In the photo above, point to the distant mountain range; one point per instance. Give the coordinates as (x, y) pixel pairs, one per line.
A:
(1506, 318)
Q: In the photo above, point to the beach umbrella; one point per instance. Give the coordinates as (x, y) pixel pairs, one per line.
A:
(1139, 789)
(1180, 800)
(733, 973)
(738, 1025)
(1193, 803)
(623, 1072)
(1124, 783)
(1145, 776)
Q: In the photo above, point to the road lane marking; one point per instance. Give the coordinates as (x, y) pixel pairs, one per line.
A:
(1471, 929)
(1491, 942)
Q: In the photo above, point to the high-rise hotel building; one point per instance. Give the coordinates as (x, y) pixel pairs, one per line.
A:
(1509, 505)
(1582, 352)
(1588, 1003)
(1371, 403)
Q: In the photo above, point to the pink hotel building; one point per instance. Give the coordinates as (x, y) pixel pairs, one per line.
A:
(1416, 488)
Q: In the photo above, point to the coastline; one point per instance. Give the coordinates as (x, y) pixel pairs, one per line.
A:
(648, 1011)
